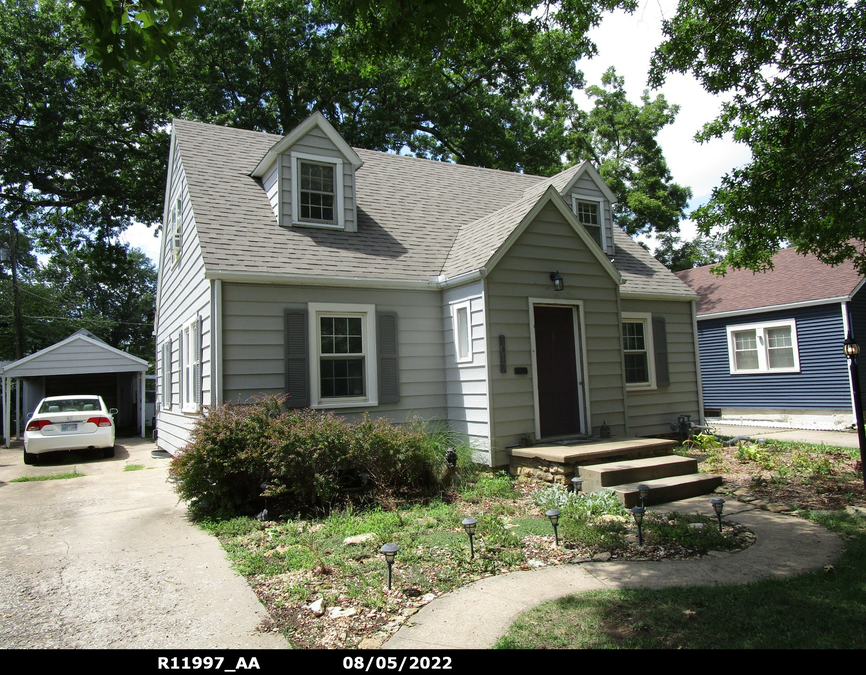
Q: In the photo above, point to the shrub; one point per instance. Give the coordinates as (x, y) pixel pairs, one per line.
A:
(300, 460)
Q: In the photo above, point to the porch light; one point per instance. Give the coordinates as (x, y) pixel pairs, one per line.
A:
(643, 491)
(558, 283)
(718, 504)
(577, 484)
(389, 550)
(638, 513)
(469, 525)
(553, 514)
(852, 349)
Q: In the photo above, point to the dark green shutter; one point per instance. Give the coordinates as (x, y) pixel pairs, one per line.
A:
(660, 343)
(389, 373)
(297, 361)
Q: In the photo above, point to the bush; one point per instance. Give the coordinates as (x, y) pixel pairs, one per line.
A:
(242, 458)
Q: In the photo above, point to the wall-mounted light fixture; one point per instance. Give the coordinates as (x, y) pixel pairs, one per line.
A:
(558, 283)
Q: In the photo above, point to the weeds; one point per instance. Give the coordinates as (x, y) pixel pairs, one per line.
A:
(50, 476)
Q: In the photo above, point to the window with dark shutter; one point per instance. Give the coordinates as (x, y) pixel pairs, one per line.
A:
(389, 374)
(297, 362)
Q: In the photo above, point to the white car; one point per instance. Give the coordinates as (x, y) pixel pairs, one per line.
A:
(69, 423)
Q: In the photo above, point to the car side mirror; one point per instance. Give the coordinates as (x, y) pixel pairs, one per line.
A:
(112, 411)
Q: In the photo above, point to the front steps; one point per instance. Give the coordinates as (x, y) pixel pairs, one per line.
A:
(619, 466)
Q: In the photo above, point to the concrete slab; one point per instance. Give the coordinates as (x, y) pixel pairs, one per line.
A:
(110, 560)
(845, 439)
(594, 450)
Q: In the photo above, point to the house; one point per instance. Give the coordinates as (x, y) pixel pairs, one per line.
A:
(771, 342)
(79, 364)
(507, 305)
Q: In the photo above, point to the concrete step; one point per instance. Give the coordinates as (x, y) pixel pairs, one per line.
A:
(600, 476)
(670, 489)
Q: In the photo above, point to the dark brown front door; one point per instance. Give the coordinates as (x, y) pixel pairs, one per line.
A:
(556, 363)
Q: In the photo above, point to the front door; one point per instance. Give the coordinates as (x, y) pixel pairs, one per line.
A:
(556, 371)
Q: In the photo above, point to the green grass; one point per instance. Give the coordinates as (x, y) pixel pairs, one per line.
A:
(49, 476)
(825, 609)
(133, 467)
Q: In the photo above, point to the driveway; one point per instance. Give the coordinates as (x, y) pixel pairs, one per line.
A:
(109, 560)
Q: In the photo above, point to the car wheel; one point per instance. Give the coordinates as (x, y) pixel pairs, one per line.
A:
(108, 452)
(29, 458)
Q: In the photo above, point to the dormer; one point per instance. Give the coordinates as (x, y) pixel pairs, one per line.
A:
(309, 176)
(592, 201)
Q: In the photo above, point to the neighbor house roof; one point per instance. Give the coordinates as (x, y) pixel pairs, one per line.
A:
(417, 219)
(794, 279)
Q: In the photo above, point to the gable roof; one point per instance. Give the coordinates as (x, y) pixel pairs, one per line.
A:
(417, 219)
(794, 279)
(81, 352)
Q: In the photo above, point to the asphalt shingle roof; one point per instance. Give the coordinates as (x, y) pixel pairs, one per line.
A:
(417, 218)
(794, 278)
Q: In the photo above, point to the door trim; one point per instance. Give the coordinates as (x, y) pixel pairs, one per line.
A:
(580, 359)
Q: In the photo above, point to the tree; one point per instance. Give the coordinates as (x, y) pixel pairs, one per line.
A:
(796, 74)
(677, 255)
(619, 137)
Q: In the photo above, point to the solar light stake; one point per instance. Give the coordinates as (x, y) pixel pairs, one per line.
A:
(389, 551)
(638, 512)
(718, 504)
(643, 491)
(577, 484)
(553, 514)
(469, 525)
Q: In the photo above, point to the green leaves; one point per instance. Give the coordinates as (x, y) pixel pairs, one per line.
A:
(796, 74)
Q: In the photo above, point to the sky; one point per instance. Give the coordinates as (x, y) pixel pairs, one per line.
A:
(626, 41)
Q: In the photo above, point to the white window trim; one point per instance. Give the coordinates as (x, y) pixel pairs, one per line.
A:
(763, 358)
(578, 197)
(646, 319)
(339, 207)
(371, 352)
(190, 359)
(456, 308)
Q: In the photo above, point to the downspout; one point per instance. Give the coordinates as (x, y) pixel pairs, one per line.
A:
(698, 362)
(216, 342)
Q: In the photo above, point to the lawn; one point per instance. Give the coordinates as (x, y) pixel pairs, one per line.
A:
(325, 583)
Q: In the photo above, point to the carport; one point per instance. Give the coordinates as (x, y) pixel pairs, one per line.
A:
(80, 364)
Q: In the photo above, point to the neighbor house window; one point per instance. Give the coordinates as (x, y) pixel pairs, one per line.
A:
(589, 213)
(764, 348)
(344, 363)
(637, 350)
(462, 333)
(317, 195)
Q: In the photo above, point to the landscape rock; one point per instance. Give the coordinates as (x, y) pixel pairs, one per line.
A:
(359, 539)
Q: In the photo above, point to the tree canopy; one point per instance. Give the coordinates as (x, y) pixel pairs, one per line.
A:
(796, 74)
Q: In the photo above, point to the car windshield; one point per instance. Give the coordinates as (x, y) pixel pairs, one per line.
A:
(71, 404)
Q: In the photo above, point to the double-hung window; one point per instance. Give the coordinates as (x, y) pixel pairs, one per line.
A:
(589, 213)
(343, 362)
(638, 354)
(763, 348)
(176, 229)
(191, 366)
(317, 195)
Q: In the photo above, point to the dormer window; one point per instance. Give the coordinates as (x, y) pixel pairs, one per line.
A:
(318, 193)
(589, 214)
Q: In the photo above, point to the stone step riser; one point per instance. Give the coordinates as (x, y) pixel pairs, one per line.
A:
(668, 490)
(606, 475)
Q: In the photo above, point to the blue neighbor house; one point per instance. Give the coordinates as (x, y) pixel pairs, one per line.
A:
(771, 342)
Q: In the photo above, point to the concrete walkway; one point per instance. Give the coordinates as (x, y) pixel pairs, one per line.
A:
(110, 561)
(477, 615)
(844, 439)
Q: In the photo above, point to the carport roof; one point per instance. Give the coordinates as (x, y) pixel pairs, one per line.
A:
(80, 354)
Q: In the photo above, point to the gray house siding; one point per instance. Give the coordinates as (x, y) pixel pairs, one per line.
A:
(822, 382)
(550, 244)
(253, 361)
(184, 297)
(466, 381)
(652, 410)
